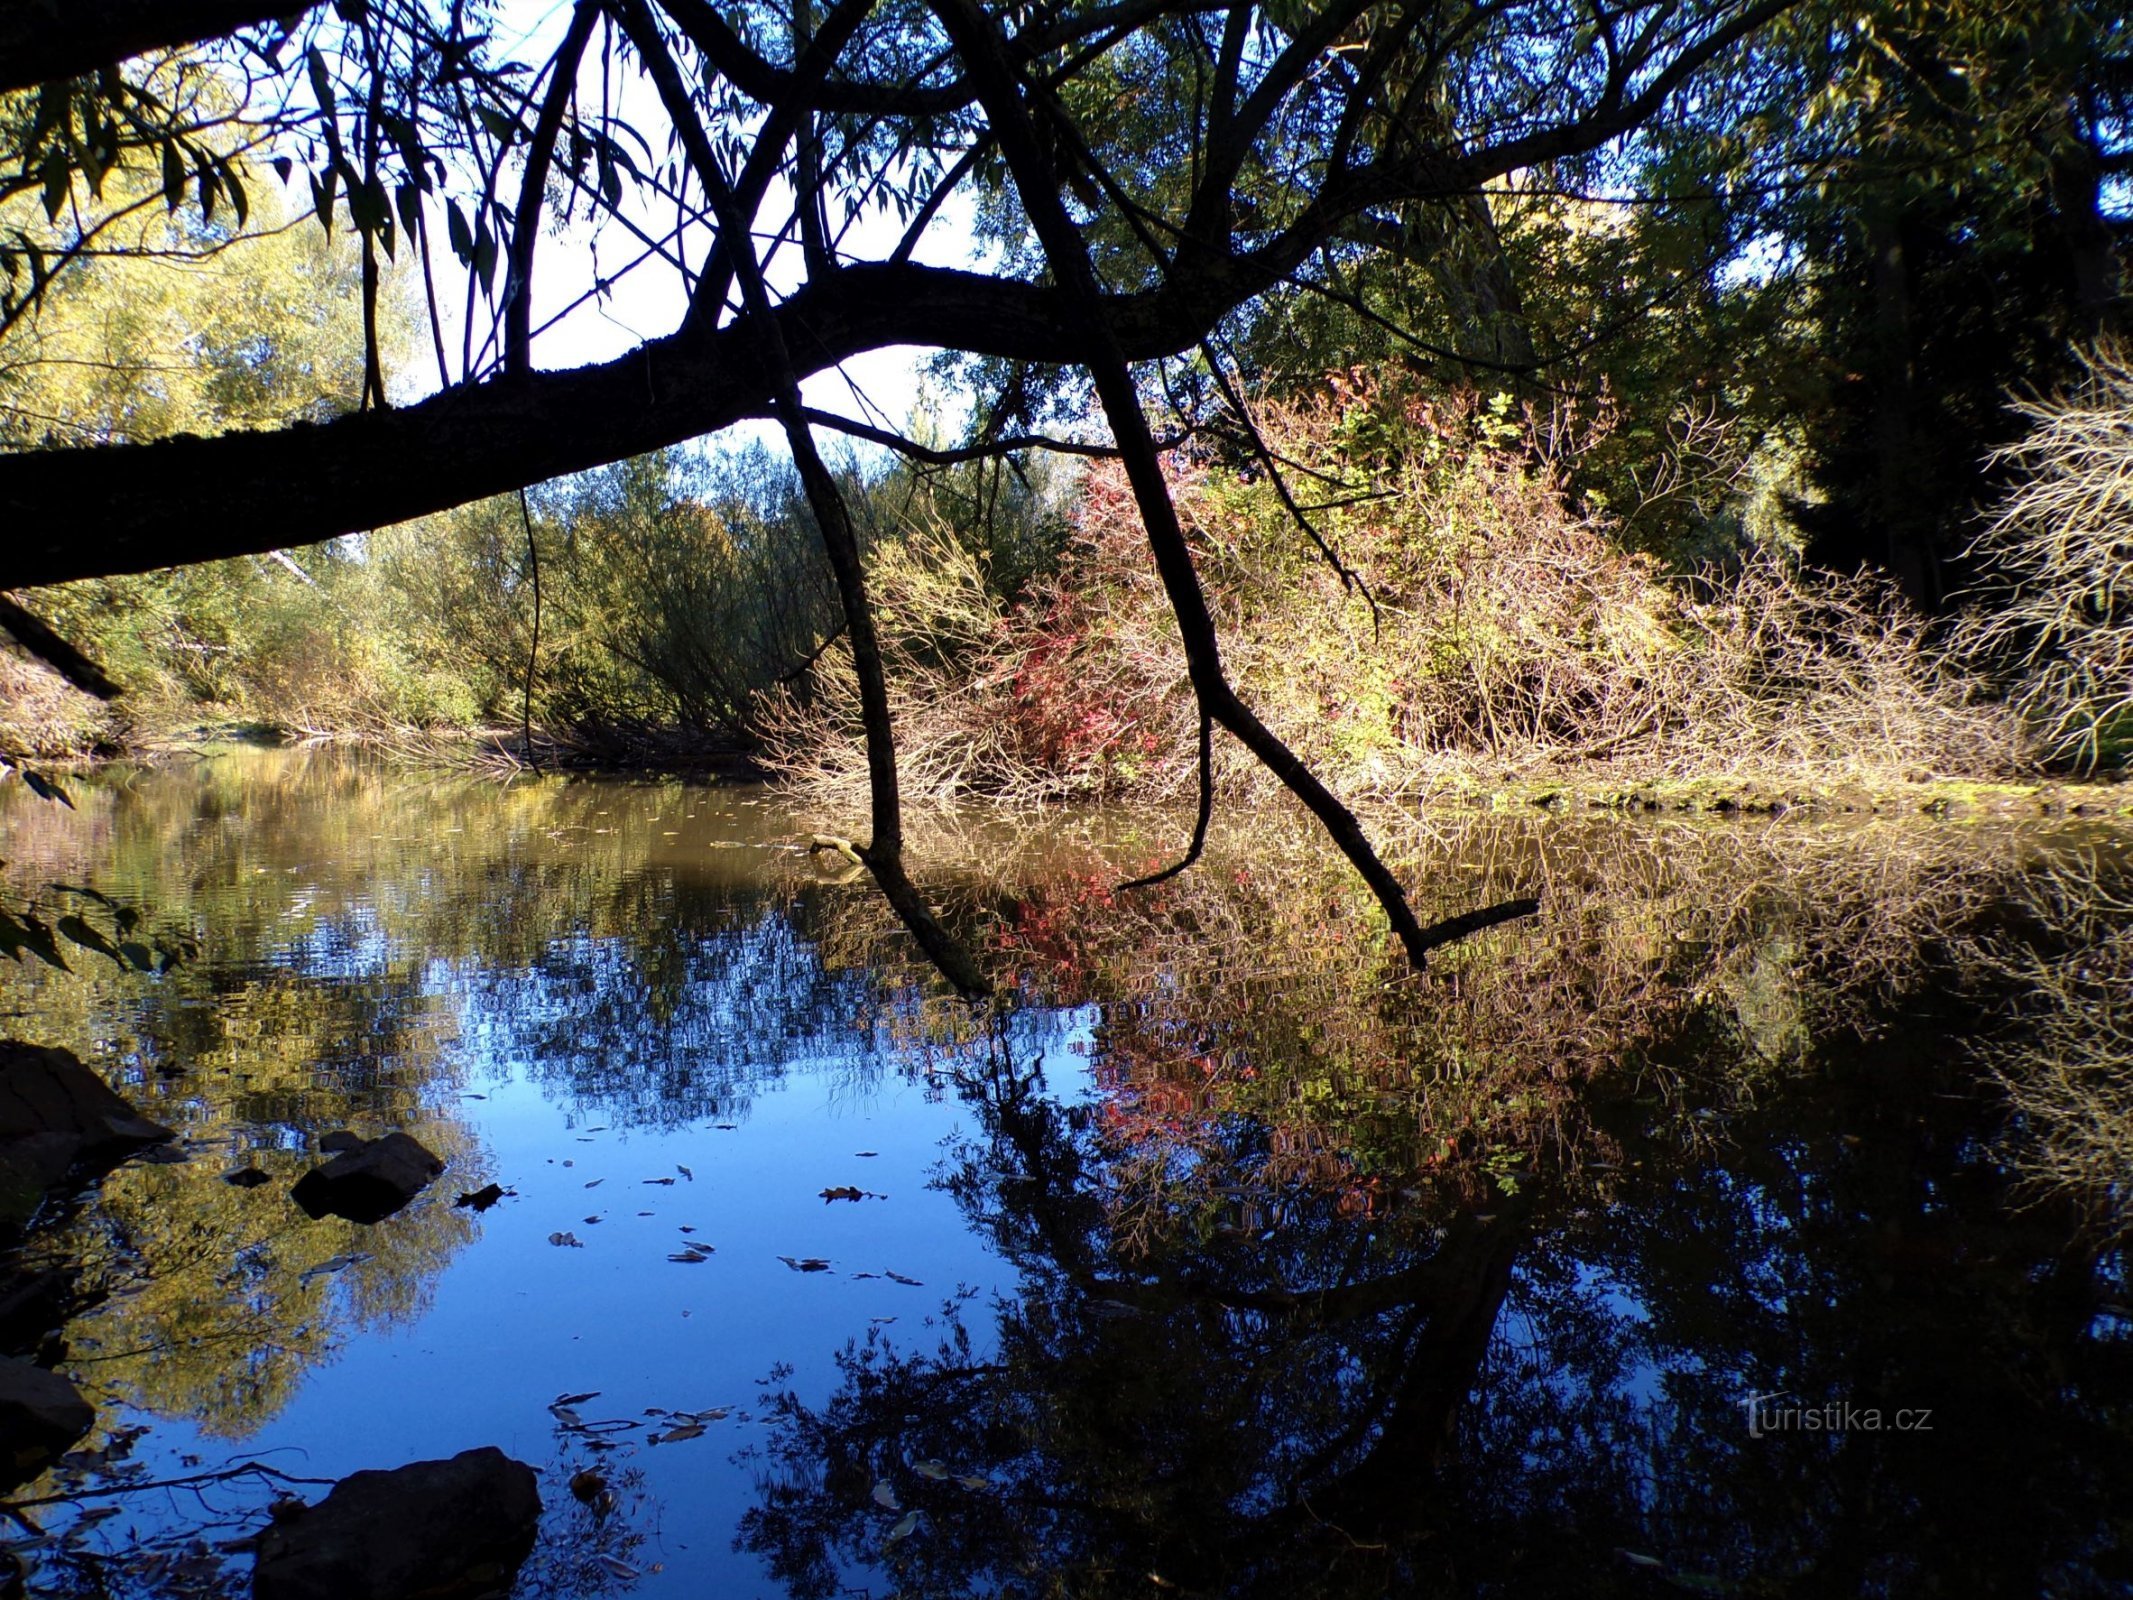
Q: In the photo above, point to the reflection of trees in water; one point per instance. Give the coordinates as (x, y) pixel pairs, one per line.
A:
(1243, 1383)
(1461, 1285)
(688, 1018)
(1343, 1280)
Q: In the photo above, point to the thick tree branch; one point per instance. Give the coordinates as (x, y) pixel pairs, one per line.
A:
(42, 42)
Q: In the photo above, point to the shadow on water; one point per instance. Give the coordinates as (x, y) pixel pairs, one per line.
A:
(1748, 1223)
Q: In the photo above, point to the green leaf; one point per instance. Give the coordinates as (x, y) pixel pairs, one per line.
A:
(455, 225)
(58, 180)
(173, 174)
(484, 254)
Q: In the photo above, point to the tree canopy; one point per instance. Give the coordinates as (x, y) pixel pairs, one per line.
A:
(1199, 155)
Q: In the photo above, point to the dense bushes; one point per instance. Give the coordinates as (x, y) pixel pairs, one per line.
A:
(1488, 622)
(1483, 622)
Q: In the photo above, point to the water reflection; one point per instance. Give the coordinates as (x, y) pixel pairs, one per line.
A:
(1311, 1277)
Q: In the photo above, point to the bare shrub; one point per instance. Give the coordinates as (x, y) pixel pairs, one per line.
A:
(2058, 557)
(2066, 1063)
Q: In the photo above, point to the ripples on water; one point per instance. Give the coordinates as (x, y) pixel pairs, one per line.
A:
(1220, 1260)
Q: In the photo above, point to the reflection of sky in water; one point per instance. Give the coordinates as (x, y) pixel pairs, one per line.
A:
(514, 1321)
(587, 1008)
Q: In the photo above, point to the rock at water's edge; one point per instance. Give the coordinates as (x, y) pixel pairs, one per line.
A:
(49, 1091)
(369, 1182)
(56, 1115)
(41, 1416)
(433, 1529)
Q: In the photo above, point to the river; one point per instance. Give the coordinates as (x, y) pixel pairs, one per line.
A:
(1749, 1221)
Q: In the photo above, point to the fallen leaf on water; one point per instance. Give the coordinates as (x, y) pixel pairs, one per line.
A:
(885, 1497)
(483, 1198)
(904, 1525)
(595, 1183)
(594, 1218)
(866, 1152)
(664, 1182)
(806, 1263)
(577, 1399)
(688, 1430)
(569, 1239)
(843, 1192)
(858, 1275)
(685, 1172)
(898, 1277)
(619, 1567)
(882, 1321)
(566, 1416)
(689, 1258)
(935, 1470)
(725, 1127)
(975, 1483)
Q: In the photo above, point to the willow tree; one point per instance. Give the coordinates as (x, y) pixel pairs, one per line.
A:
(1150, 169)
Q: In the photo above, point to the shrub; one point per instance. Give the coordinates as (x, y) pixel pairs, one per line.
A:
(2058, 562)
(1488, 622)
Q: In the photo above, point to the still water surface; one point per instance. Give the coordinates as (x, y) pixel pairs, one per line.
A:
(1216, 1259)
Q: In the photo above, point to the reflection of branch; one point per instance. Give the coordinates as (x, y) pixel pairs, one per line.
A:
(243, 1469)
(1468, 923)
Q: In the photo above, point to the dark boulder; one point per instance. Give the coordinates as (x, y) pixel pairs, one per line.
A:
(41, 1417)
(46, 1091)
(368, 1182)
(56, 1116)
(433, 1530)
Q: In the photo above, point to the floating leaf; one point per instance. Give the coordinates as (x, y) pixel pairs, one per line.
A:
(570, 1240)
(904, 1526)
(842, 1193)
(577, 1399)
(898, 1277)
(666, 1182)
(930, 1469)
(685, 1172)
(806, 1263)
(975, 1483)
(885, 1496)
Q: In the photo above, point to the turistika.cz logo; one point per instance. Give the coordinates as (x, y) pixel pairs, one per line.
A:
(1768, 1414)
